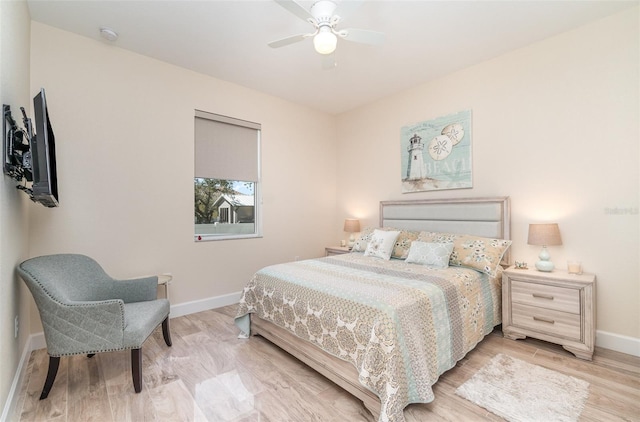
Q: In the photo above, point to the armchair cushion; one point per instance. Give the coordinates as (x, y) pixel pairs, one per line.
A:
(140, 319)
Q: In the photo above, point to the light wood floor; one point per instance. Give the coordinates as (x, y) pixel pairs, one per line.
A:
(211, 375)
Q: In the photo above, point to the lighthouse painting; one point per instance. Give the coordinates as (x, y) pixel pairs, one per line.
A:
(436, 154)
(416, 169)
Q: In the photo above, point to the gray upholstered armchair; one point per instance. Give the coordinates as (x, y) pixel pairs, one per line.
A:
(84, 311)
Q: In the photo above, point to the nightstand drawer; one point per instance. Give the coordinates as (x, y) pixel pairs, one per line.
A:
(544, 296)
(547, 321)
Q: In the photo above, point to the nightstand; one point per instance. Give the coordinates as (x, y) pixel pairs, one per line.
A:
(335, 250)
(556, 306)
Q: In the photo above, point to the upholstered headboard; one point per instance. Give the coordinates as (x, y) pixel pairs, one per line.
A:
(487, 217)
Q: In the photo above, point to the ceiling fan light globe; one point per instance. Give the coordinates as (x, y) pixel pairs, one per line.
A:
(325, 42)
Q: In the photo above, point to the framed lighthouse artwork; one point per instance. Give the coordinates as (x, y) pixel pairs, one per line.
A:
(436, 154)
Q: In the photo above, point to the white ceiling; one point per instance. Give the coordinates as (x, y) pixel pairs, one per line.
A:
(228, 40)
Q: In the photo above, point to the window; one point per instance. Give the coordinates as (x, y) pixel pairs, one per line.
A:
(227, 178)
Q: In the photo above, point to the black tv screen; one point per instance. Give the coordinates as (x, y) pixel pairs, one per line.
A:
(43, 150)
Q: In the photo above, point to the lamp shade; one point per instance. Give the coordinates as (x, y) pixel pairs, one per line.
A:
(351, 225)
(544, 234)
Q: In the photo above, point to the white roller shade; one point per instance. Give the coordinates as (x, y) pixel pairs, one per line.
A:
(226, 148)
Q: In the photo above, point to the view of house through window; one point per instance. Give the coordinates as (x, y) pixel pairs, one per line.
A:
(224, 207)
(226, 182)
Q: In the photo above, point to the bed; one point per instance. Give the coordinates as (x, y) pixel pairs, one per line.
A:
(385, 330)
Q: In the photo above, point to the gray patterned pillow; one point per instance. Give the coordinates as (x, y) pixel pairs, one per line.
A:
(361, 243)
(430, 254)
(478, 253)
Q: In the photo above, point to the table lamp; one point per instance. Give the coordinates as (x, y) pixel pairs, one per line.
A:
(544, 235)
(352, 225)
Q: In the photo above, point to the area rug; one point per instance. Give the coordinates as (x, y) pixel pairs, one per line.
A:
(521, 392)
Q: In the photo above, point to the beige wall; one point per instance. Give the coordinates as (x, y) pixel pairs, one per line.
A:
(124, 137)
(14, 91)
(555, 127)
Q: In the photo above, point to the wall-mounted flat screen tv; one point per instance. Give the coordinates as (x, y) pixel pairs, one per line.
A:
(43, 151)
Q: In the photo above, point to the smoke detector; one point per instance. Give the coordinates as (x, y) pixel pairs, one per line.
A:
(108, 34)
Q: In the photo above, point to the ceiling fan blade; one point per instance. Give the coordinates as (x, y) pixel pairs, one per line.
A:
(363, 36)
(289, 40)
(296, 9)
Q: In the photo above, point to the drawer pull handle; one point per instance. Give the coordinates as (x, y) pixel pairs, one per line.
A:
(541, 296)
(542, 319)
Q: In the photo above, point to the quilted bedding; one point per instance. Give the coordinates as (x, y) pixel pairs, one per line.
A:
(402, 325)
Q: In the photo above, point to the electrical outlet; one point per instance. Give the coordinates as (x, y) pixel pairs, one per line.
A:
(15, 327)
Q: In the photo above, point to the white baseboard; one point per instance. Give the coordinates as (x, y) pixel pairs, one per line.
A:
(187, 308)
(617, 342)
(36, 341)
(16, 385)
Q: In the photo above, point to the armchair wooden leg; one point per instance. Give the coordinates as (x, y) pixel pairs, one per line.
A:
(165, 331)
(54, 362)
(136, 369)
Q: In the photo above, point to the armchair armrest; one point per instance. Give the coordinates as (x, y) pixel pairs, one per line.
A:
(83, 326)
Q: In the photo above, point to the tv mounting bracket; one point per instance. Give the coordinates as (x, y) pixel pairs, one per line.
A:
(17, 152)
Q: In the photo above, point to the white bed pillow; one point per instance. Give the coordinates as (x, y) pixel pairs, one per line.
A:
(430, 254)
(381, 244)
(400, 249)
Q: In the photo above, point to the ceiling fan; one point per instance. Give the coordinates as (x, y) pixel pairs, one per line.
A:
(324, 20)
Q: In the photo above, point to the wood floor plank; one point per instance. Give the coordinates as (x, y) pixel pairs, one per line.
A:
(173, 402)
(55, 407)
(184, 326)
(620, 362)
(35, 376)
(211, 375)
(22, 394)
(224, 397)
(116, 371)
(130, 407)
(88, 399)
(345, 404)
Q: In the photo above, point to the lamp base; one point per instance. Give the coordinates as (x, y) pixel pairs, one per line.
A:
(546, 266)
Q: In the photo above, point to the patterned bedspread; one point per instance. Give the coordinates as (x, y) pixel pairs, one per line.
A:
(402, 325)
